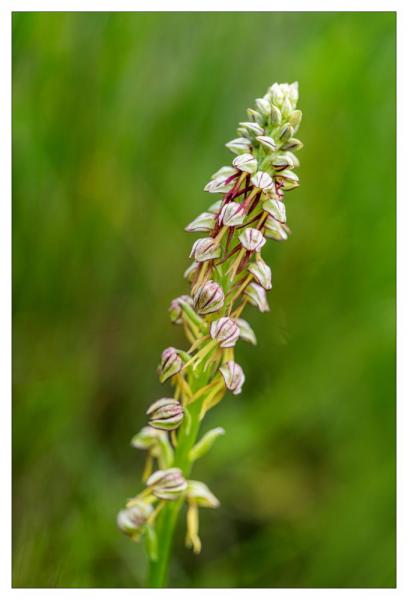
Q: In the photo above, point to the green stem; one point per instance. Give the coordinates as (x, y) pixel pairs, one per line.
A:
(167, 519)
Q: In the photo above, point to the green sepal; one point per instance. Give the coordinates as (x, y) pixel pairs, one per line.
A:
(205, 444)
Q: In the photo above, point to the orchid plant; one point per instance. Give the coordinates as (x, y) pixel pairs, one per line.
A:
(227, 273)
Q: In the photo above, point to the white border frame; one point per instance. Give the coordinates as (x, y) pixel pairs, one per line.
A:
(9, 6)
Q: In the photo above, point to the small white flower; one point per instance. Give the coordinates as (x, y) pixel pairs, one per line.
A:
(275, 230)
(209, 298)
(246, 163)
(262, 180)
(204, 222)
(257, 296)
(276, 209)
(225, 331)
(205, 249)
(252, 239)
(233, 375)
(262, 273)
(246, 332)
(239, 146)
(232, 214)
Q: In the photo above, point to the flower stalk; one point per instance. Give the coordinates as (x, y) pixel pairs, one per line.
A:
(227, 274)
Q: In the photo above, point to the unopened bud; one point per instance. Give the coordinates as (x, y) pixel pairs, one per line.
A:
(275, 118)
(218, 186)
(293, 92)
(285, 133)
(168, 484)
(275, 230)
(267, 142)
(262, 180)
(262, 273)
(204, 222)
(257, 296)
(233, 376)
(166, 414)
(171, 363)
(199, 493)
(209, 298)
(276, 94)
(246, 163)
(276, 209)
(256, 116)
(232, 214)
(293, 144)
(133, 519)
(240, 145)
(263, 106)
(289, 179)
(225, 331)
(176, 308)
(252, 239)
(246, 332)
(205, 249)
(252, 128)
(295, 119)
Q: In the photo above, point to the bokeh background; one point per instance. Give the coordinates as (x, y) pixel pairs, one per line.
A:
(118, 121)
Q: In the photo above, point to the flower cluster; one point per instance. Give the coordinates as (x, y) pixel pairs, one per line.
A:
(227, 273)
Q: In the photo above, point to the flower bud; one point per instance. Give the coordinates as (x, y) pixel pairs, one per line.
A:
(293, 144)
(275, 118)
(205, 249)
(275, 230)
(191, 271)
(133, 519)
(289, 179)
(286, 108)
(295, 119)
(205, 443)
(276, 94)
(225, 331)
(171, 363)
(252, 128)
(286, 132)
(257, 296)
(262, 180)
(256, 116)
(262, 273)
(209, 298)
(166, 414)
(263, 106)
(252, 239)
(239, 146)
(199, 493)
(246, 332)
(218, 186)
(276, 209)
(176, 308)
(233, 376)
(232, 214)
(267, 142)
(147, 438)
(246, 163)
(168, 484)
(204, 222)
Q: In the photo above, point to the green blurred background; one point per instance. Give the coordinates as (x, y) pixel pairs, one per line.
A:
(118, 121)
